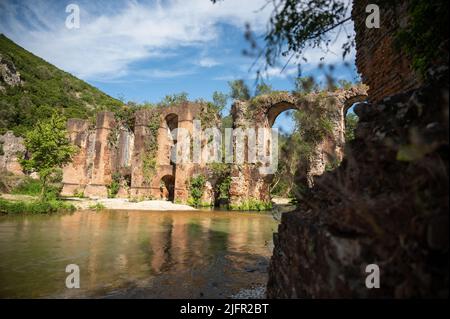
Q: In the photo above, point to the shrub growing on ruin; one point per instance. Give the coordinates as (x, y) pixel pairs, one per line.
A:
(196, 186)
(114, 187)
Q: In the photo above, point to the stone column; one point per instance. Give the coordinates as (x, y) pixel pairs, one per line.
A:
(183, 171)
(140, 185)
(76, 173)
(102, 172)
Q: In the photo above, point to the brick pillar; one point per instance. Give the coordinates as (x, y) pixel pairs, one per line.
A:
(103, 166)
(140, 186)
(76, 173)
(183, 171)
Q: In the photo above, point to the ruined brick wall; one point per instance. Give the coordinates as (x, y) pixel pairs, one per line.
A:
(77, 174)
(247, 182)
(387, 204)
(98, 158)
(383, 67)
(109, 148)
(145, 155)
(153, 186)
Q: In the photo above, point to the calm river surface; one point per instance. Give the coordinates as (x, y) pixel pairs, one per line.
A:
(135, 254)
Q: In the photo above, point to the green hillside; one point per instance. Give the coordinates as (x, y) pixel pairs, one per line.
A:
(42, 88)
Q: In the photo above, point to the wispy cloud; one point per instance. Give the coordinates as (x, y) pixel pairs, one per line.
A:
(226, 78)
(110, 40)
(162, 73)
(207, 62)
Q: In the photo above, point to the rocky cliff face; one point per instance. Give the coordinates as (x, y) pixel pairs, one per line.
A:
(8, 74)
(387, 204)
(11, 148)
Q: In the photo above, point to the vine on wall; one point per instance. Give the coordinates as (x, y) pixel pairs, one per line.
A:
(151, 147)
(425, 39)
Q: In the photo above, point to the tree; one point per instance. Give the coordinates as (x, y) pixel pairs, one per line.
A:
(176, 98)
(344, 84)
(305, 85)
(239, 90)
(219, 100)
(351, 121)
(263, 88)
(48, 148)
(297, 25)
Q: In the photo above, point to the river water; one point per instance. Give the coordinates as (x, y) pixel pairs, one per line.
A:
(135, 254)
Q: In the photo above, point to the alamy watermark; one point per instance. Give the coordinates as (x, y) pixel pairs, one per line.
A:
(73, 19)
(253, 145)
(73, 279)
(373, 279)
(373, 19)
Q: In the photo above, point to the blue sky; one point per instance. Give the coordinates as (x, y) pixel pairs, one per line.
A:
(142, 51)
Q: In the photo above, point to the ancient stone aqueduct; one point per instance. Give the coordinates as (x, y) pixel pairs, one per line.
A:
(93, 166)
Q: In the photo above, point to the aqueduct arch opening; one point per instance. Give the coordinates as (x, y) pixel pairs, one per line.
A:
(167, 187)
(282, 182)
(277, 109)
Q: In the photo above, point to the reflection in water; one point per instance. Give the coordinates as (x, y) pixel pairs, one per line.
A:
(134, 254)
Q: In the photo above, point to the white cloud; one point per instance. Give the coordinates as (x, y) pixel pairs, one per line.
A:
(106, 45)
(208, 62)
(160, 73)
(279, 72)
(226, 78)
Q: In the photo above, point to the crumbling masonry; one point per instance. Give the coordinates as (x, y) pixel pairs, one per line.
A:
(142, 155)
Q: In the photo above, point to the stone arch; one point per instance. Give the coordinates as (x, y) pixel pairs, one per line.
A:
(247, 182)
(358, 98)
(171, 121)
(276, 109)
(167, 187)
(350, 102)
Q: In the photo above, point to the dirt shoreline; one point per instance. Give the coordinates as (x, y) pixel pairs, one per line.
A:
(111, 203)
(125, 204)
(280, 204)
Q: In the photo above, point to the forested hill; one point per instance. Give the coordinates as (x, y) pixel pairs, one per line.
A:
(31, 88)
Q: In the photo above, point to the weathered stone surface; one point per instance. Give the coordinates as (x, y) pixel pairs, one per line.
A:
(181, 116)
(247, 181)
(78, 173)
(111, 149)
(102, 151)
(387, 204)
(146, 152)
